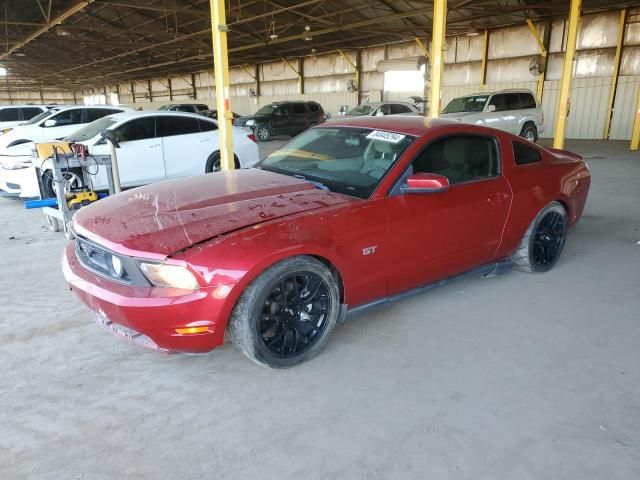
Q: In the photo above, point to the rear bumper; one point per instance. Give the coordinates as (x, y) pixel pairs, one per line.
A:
(148, 316)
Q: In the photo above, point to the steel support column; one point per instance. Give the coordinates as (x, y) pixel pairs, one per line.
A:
(485, 54)
(221, 68)
(543, 54)
(616, 73)
(567, 72)
(635, 134)
(437, 47)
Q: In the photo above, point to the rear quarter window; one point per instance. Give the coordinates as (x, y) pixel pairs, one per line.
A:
(527, 100)
(525, 155)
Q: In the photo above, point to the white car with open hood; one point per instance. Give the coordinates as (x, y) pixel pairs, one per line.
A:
(153, 146)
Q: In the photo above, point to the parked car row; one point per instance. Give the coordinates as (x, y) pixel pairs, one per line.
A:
(176, 140)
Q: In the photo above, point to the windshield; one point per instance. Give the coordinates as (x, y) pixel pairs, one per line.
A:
(41, 116)
(466, 104)
(267, 110)
(364, 109)
(91, 130)
(165, 107)
(346, 160)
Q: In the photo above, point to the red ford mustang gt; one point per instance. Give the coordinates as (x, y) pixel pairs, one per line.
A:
(345, 215)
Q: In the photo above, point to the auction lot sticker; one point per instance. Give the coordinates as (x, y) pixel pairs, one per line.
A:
(385, 136)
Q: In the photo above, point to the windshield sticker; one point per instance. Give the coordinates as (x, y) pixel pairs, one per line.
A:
(386, 136)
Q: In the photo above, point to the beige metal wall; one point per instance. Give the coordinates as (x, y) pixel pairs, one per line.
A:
(13, 96)
(327, 77)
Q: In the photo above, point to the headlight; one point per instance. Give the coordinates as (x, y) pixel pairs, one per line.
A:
(165, 275)
(16, 165)
(6, 130)
(250, 123)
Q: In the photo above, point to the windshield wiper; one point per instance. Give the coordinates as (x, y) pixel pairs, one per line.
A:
(318, 185)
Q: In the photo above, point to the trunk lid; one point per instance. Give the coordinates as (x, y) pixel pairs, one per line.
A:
(158, 220)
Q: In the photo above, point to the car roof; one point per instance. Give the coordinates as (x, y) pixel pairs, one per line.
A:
(23, 105)
(128, 115)
(509, 90)
(406, 124)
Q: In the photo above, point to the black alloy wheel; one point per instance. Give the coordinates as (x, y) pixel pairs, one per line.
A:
(295, 314)
(548, 240)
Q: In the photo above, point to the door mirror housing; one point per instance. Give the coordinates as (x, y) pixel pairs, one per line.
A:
(425, 183)
(491, 108)
(50, 123)
(379, 112)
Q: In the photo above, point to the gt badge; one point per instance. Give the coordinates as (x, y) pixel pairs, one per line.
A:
(369, 250)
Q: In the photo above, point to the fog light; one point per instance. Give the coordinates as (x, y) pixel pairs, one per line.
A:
(116, 265)
(191, 330)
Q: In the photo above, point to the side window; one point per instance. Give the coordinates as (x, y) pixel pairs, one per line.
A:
(283, 111)
(314, 107)
(94, 114)
(513, 101)
(207, 126)
(460, 158)
(299, 109)
(29, 112)
(186, 108)
(384, 109)
(527, 100)
(398, 108)
(68, 117)
(169, 126)
(9, 115)
(139, 129)
(499, 101)
(524, 154)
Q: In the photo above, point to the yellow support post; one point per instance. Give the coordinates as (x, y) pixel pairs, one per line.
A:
(221, 67)
(297, 72)
(485, 53)
(423, 47)
(616, 73)
(543, 54)
(437, 46)
(567, 71)
(354, 66)
(635, 135)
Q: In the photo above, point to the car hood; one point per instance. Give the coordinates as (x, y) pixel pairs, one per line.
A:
(159, 220)
(17, 151)
(254, 117)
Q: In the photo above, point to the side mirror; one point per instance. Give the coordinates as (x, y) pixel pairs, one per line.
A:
(50, 123)
(491, 108)
(112, 137)
(425, 183)
(379, 113)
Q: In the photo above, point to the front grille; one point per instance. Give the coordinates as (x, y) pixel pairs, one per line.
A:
(94, 258)
(239, 122)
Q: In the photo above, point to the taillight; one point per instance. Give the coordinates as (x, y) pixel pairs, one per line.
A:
(251, 137)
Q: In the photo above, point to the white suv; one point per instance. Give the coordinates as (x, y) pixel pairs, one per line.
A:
(515, 111)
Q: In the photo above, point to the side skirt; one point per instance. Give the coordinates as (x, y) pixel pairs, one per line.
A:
(486, 271)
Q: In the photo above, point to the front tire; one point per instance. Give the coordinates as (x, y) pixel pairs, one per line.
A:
(285, 316)
(544, 240)
(529, 132)
(263, 134)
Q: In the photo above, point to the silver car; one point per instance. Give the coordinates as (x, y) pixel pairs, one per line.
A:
(515, 111)
(382, 108)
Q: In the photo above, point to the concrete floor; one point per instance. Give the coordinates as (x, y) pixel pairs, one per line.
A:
(514, 377)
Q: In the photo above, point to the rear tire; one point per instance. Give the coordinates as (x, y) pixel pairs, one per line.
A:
(529, 132)
(263, 134)
(285, 316)
(543, 241)
(213, 163)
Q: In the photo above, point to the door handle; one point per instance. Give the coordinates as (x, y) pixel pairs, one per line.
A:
(154, 146)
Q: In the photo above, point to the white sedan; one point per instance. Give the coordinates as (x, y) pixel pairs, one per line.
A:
(154, 146)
